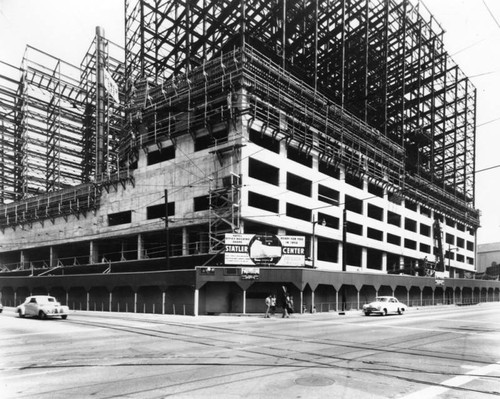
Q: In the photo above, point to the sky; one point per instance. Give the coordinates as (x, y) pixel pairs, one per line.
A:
(66, 28)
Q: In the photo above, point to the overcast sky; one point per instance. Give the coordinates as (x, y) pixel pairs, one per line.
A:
(65, 29)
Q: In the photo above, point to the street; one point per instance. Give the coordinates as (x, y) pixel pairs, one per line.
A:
(431, 352)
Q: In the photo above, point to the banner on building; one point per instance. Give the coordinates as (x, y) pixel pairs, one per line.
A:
(264, 249)
(111, 86)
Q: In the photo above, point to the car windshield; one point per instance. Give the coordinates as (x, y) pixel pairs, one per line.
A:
(382, 299)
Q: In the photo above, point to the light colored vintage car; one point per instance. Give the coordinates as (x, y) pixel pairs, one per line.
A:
(384, 305)
(42, 306)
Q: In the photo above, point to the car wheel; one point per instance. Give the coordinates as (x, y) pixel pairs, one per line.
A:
(400, 311)
(42, 315)
(384, 313)
(367, 313)
(64, 317)
(20, 313)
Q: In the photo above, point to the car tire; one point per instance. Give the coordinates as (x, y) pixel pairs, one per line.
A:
(400, 311)
(41, 315)
(384, 313)
(20, 313)
(367, 313)
(64, 317)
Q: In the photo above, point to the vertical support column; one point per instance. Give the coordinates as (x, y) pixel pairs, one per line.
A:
(163, 297)
(196, 302)
(421, 296)
(384, 262)
(15, 298)
(301, 301)
(88, 301)
(93, 253)
(433, 292)
(23, 259)
(185, 242)
(110, 300)
(52, 256)
(67, 298)
(357, 298)
(472, 295)
(408, 296)
(336, 300)
(313, 305)
(364, 257)
(244, 302)
(140, 247)
(135, 301)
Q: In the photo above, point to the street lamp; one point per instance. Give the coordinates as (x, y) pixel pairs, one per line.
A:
(314, 222)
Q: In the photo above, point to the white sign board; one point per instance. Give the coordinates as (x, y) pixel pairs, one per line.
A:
(439, 276)
(264, 249)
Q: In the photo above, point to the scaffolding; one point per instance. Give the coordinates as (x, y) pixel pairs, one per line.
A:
(382, 62)
(8, 152)
(103, 116)
(53, 116)
(366, 84)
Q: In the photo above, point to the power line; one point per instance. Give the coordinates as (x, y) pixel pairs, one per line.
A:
(491, 14)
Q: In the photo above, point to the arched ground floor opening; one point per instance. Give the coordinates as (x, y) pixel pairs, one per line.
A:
(219, 290)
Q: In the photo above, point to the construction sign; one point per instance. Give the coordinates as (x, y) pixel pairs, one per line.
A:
(264, 249)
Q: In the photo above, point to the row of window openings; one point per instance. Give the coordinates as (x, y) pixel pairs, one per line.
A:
(262, 171)
(265, 172)
(272, 205)
(158, 211)
(270, 174)
(201, 142)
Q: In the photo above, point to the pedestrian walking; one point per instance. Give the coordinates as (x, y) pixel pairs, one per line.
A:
(268, 305)
(273, 305)
(286, 307)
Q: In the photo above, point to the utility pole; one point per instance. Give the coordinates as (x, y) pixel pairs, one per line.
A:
(167, 239)
(344, 239)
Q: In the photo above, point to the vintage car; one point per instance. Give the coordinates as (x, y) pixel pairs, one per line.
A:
(384, 305)
(42, 306)
(1, 307)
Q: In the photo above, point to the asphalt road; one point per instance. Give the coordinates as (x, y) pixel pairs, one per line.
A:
(434, 352)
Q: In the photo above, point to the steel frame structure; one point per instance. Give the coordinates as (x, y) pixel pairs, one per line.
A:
(381, 61)
(373, 74)
(52, 117)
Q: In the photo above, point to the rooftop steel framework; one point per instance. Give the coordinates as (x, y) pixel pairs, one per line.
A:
(381, 60)
(53, 118)
(368, 71)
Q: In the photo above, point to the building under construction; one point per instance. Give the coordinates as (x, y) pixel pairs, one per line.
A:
(344, 122)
